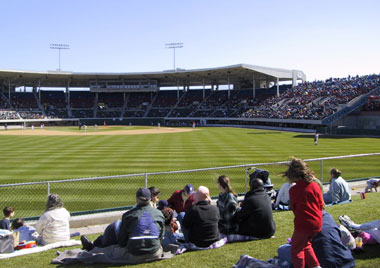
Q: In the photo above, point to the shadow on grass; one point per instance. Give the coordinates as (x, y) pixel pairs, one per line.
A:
(369, 252)
(90, 265)
(100, 265)
(334, 137)
(260, 133)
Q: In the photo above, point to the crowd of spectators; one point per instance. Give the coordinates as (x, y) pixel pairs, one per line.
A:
(310, 100)
(373, 103)
(314, 100)
(8, 115)
(31, 114)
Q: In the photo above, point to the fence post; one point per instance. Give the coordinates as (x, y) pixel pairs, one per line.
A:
(146, 180)
(321, 178)
(246, 180)
(48, 188)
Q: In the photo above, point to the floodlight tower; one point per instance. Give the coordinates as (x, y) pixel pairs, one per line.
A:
(174, 46)
(59, 47)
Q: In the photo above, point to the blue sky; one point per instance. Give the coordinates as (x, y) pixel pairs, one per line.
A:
(323, 38)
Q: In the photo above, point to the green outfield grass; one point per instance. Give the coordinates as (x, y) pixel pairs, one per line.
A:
(230, 253)
(41, 158)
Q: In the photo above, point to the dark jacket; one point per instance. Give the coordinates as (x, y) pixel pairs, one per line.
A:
(141, 230)
(5, 224)
(328, 246)
(255, 217)
(202, 221)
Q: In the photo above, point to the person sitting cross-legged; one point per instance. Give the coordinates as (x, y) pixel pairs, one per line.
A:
(182, 200)
(227, 204)
(53, 225)
(200, 223)
(255, 217)
(339, 190)
(141, 230)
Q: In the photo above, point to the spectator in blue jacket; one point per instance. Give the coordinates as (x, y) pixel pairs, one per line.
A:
(339, 190)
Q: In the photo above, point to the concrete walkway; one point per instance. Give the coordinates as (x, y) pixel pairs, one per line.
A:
(96, 224)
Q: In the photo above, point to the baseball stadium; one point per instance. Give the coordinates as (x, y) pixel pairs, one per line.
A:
(94, 138)
(190, 133)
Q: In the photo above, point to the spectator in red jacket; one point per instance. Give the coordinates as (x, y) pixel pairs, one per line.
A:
(182, 200)
(306, 201)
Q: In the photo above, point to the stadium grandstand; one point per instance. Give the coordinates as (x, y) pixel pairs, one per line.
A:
(232, 95)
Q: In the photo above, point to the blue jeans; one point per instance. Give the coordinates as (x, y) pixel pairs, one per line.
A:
(185, 231)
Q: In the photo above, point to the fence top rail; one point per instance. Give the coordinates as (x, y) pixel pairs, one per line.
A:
(183, 171)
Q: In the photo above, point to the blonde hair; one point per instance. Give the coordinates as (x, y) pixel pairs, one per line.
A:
(298, 170)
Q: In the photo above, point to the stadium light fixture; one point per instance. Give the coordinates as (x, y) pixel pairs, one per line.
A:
(59, 47)
(174, 46)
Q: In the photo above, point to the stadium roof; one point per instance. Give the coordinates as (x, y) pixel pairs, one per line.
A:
(240, 74)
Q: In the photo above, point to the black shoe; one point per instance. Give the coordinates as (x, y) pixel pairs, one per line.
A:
(171, 248)
(86, 243)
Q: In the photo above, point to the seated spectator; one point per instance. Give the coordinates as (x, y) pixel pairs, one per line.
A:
(108, 238)
(142, 229)
(200, 223)
(27, 233)
(53, 225)
(227, 204)
(327, 245)
(255, 217)
(282, 198)
(162, 204)
(170, 235)
(372, 184)
(155, 196)
(5, 223)
(372, 227)
(182, 200)
(339, 190)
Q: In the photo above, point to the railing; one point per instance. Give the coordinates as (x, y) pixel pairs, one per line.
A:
(351, 106)
(89, 195)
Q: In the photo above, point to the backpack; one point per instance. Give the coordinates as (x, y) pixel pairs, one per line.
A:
(7, 243)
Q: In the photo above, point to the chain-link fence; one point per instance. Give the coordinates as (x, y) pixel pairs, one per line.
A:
(89, 195)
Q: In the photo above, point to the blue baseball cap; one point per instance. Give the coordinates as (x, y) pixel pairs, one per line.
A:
(189, 188)
(144, 194)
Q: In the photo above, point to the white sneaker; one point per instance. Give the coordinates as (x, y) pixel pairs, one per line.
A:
(346, 221)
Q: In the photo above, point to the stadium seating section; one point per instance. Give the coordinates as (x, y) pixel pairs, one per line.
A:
(310, 100)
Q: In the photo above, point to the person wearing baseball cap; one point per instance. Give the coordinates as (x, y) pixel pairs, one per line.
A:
(141, 230)
(111, 233)
(182, 200)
